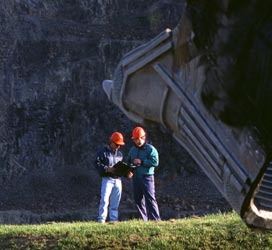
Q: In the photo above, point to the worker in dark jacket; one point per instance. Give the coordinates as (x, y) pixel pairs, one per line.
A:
(145, 157)
(111, 187)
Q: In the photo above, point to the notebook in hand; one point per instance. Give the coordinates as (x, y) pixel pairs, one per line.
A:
(121, 168)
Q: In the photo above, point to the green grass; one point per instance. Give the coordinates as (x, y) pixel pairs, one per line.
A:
(220, 231)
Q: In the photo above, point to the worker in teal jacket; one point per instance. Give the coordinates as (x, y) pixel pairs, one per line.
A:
(145, 157)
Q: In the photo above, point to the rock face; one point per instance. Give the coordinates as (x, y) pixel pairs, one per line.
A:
(54, 114)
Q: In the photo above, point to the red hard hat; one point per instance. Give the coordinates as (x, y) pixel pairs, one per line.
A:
(117, 138)
(138, 132)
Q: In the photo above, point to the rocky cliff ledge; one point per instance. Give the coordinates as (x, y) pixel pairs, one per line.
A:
(54, 114)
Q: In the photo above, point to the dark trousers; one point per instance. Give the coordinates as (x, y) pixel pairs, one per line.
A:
(144, 195)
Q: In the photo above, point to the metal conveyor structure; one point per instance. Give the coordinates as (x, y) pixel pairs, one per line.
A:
(149, 87)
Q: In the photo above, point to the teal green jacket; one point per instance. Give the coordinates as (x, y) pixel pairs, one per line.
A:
(149, 157)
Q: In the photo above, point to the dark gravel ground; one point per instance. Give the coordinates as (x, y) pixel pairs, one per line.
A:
(179, 195)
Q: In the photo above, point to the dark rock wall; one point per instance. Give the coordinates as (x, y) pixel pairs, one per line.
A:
(235, 38)
(54, 114)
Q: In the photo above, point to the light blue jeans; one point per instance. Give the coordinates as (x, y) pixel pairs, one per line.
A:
(111, 190)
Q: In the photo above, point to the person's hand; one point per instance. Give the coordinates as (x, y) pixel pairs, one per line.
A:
(111, 169)
(129, 174)
(137, 162)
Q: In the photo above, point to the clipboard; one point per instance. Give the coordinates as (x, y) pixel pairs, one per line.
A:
(121, 168)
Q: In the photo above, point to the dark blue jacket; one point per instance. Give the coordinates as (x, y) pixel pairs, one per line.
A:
(105, 158)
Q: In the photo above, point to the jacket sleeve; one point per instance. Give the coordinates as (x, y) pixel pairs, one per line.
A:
(128, 158)
(152, 159)
(100, 163)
